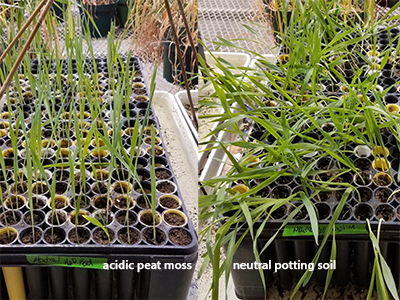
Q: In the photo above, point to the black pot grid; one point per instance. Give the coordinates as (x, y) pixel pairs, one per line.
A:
(374, 194)
(356, 210)
(93, 190)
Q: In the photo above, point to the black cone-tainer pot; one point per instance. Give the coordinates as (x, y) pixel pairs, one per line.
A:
(55, 266)
(375, 183)
(97, 18)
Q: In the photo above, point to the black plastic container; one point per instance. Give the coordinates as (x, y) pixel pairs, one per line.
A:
(59, 10)
(172, 67)
(375, 182)
(103, 16)
(55, 281)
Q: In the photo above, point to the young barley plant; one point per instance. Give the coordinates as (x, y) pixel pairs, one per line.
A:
(288, 102)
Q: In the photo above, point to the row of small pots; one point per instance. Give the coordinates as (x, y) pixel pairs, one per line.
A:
(360, 212)
(49, 147)
(20, 189)
(43, 203)
(367, 193)
(98, 60)
(96, 236)
(171, 217)
(65, 125)
(98, 173)
(96, 154)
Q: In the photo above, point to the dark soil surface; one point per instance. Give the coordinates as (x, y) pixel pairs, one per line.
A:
(385, 212)
(101, 237)
(61, 187)
(326, 176)
(38, 203)
(298, 189)
(19, 188)
(62, 175)
(100, 188)
(363, 178)
(141, 99)
(365, 194)
(56, 219)
(121, 219)
(279, 213)
(7, 237)
(46, 133)
(14, 202)
(163, 174)
(363, 164)
(141, 201)
(60, 203)
(323, 196)
(148, 235)
(21, 176)
(139, 91)
(121, 202)
(363, 212)
(10, 218)
(169, 202)
(37, 218)
(132, 238)
(280, 192)
(157, 151)
(382, 194)
(300, 215)
(345, 213)
(264, 192)
(325, 164)
(174, 219)
(284, 179)
(338, 194)
(121, 188)
(323, 211)
(85, 202)
(382, 180)
(79, 235)
(54, 236)
(103, 217)
(180, 237)
(344, 178)
(147, 140)
(101, 202)
(65, 134)
(120, 174)
(81, 220)
(165, 187)
(147, 219)
(64, 143)
(100, 175)
(79, 188)
(31, 236)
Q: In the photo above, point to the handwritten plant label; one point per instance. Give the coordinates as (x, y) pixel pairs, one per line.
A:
(304, 230)
(67, 261)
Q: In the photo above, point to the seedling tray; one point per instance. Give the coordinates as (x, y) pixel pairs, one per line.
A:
(379, 169)
(137, 107)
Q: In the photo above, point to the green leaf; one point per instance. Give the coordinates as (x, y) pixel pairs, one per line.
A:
(96, 222)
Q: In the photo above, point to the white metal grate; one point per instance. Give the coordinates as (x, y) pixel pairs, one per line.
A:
(380, 12)
(226, 19)
(100, 49)
(99, 45)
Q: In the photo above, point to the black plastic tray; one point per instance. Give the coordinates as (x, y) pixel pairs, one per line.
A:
(355, 256)
(15, 253)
